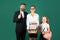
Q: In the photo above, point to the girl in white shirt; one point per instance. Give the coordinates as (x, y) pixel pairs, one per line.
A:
(45, 29)
(32, 23)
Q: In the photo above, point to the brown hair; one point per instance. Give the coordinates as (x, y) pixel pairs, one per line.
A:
(32, 6)
(47, 21)
(23, 4)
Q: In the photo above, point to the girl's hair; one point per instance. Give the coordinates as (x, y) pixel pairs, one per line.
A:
(47, 20)
(33, 6)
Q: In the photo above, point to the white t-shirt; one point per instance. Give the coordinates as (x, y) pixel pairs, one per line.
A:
(30, 19)
(44, 27)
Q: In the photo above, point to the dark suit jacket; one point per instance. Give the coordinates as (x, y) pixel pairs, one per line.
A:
(20, 23)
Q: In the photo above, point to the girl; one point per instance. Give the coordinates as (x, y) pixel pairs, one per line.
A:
(32, 23)
(45, 29)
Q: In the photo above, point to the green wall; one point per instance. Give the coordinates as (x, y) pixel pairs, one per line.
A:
(49, 8)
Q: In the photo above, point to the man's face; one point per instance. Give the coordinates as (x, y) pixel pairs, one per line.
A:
(22, 7)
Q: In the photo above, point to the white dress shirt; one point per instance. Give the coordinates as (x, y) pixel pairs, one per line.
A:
(30, 19)
(44, 27)
(22, 13)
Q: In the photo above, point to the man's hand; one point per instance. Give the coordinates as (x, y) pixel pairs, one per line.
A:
(19, 16)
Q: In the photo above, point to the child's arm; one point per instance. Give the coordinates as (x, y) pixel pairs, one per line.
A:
(48, 31)
(48, 28)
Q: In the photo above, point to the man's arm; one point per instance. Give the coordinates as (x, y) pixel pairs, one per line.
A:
(17, 17)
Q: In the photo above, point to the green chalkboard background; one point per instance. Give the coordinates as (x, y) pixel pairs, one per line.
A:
(49, 8)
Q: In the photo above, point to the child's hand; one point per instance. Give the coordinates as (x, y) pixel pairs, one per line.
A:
(43, 33)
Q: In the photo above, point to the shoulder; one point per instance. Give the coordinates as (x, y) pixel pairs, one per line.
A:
(17, 11)
(37, 14)
(28, 14)
(40, 25)
(48, 25)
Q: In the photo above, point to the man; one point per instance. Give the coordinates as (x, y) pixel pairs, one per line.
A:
(20, 20)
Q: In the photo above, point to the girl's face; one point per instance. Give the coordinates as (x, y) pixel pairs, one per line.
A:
(32, 9)
(44, 19)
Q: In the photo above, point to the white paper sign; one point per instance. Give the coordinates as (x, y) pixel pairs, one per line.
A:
(32, 26)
